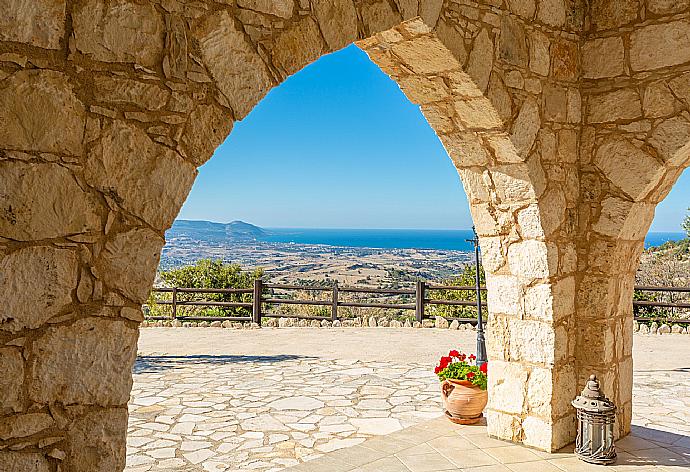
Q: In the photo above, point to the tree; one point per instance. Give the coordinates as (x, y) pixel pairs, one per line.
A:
(207, 273)
(686, 225)
(467, 278)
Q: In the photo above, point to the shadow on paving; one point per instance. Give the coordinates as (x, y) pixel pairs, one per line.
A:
(154, 363)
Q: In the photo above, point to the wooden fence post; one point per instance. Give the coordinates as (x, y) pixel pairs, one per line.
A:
(419, 296)
(256, 302)
(174, 303)
(334, 306)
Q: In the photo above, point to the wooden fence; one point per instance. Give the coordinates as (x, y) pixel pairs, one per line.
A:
(263, 294)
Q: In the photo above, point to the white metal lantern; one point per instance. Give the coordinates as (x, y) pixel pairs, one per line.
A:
(596, 416)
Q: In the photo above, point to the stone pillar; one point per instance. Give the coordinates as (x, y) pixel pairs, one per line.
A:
(635, 144)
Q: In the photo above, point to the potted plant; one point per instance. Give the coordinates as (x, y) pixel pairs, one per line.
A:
(463, 387)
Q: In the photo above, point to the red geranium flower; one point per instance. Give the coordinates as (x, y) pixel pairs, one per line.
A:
(445, 361)
(469, 375)
(462, 357)
(437, 369)
(472, 357)
(484, 367)
(454, 353)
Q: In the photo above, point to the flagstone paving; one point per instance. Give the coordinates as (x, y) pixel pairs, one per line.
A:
(227, 412)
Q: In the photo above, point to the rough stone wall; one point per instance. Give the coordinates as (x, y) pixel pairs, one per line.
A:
(635, 144)
(108, 107)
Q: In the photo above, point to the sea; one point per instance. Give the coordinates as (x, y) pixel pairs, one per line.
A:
(456, 240)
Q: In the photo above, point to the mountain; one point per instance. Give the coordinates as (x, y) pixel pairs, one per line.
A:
(210, 231)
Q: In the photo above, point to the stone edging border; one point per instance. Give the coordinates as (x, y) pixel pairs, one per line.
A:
(372, 322)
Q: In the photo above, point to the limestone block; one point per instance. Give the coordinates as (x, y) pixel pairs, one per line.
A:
(21, 461)
(455, 325)
(36, 283)
(681, 87)
(39, 23)
(149, 179)
(603, 57)
(660, 45)
(87, 363)
(206, 128)
(61, 208)
(667, 7)
(238, 70)
(23, 425)
(508, 386)
(672, 139)
(372, 322)
(337, 20)
(551, 302)
(644, 329)
(658, 100)
(280, 8)
(478, 114)
(622, 104)
(298, 46)
(119, 31)
(453, 39)
(677, 329)
(539, 56)
(540, 386)
(529, 258)
(632, 170)
(481, 59)
(129, 260)
(422, 90)
(555, 105)
(425, 55)
(465, 149)
(623, 219)
(120, 90)
(96, 443)
(608, 14)
(503, 425)
(513, 42)
(565, 58)
(526, 127)
(474, 184)
(529, 222)
(484, 219)
(664, 329)
(441, 323)
(493, 253)
(523, 8)
(504, 294)
(513, 183)
(532, 342)
(12, 367)
(551, 12)
(41, 113)
(379, 16)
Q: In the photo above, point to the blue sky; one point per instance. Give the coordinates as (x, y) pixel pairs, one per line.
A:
(338, 145)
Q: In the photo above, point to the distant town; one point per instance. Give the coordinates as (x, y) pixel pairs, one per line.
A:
(241, 243)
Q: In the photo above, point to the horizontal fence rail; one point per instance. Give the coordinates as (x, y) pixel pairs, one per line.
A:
(262, 293)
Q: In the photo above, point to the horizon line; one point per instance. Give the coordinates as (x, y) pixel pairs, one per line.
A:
(369, 228)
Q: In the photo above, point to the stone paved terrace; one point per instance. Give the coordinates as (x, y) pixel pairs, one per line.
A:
(208, 399)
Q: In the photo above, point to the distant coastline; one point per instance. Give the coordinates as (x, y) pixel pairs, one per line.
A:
(434, 239)
(447, 240)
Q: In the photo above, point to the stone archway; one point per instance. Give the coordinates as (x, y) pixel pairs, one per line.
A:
(109, 106)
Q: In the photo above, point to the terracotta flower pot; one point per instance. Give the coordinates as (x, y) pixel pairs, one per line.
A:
(463, 401)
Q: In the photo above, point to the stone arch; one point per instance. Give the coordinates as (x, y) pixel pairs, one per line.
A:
(108, 107)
